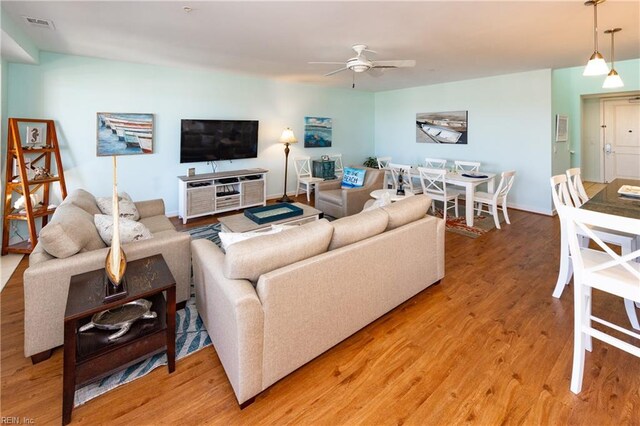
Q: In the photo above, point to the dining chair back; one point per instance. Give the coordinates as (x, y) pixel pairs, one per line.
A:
(605, 270)
(404, 170)
(435, 163)
(305, 180)
(497, 198)
(576, 189)
(434, 185)
(383, 164)
(338, 167)
(627, 242)
(467, 166)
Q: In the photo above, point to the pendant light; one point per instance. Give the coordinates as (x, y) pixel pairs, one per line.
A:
(596, 64)
(613, 80)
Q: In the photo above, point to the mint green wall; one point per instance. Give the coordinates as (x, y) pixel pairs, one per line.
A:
(71, 89)
(568, 85)
(3, 127)
(509, 128)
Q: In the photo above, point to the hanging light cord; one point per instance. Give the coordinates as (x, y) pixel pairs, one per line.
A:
(595, 25)
(612, 52)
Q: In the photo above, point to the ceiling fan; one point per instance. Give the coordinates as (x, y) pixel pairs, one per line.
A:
(360, 63)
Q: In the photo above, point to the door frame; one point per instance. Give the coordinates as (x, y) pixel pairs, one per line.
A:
(634, 94)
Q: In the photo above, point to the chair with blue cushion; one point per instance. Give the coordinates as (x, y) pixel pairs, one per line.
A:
(336, 199)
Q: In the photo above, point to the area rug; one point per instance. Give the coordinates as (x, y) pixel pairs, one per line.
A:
(210, 232)
(482, 223)
(191, 336)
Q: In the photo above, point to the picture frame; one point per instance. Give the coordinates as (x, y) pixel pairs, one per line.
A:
(318, 132)
(124, 133)
(447, 127)
(562, 128)
(34, 136)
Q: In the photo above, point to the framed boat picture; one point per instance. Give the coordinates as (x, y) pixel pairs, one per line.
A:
(442, 127)
(124, 134)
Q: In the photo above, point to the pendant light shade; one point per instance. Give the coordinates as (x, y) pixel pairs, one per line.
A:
(613, 80)
(596, 64)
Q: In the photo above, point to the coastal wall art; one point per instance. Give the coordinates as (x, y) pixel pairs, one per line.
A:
(124, 134)
(317, 132)
(562, 128)
(442, 127)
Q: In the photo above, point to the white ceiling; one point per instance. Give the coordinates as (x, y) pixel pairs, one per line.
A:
(450, 40)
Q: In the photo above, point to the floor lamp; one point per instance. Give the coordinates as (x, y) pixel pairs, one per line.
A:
(286, 138)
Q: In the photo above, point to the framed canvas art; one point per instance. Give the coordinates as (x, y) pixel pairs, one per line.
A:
(562, 128)
(124, 134)
(442, 127)
(317, 132)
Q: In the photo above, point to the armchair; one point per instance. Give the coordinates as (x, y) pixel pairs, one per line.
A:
(337, 202)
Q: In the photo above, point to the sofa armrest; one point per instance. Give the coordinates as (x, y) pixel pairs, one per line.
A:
(329, 184)
(233, 316)
(150, 208)
(355, 198)
(46, 284)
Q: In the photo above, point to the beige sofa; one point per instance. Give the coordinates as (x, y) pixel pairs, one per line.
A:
(71, 230)
(268, 311)
(337, 202)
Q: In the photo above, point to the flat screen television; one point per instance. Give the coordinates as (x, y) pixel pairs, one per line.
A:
(217, 140)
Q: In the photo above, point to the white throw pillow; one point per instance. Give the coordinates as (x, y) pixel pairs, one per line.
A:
(130, 230)
(228, 238)
(126, 206)
(384, 200)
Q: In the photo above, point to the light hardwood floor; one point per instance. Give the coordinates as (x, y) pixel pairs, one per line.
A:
(488, 345)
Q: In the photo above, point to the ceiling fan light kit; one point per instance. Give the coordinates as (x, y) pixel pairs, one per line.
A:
(613, 80)
(596, 64)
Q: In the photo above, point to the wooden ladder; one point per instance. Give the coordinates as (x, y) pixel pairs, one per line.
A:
(37, 155)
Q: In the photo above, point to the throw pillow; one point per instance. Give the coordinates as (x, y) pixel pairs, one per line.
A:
(353, 178)
(126, 206)
(384, 200)
(229, 238)
(130, 230)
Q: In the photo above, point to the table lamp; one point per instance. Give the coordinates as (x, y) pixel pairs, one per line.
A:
(287, 138)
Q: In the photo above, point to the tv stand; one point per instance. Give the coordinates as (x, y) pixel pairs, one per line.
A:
(212, 193)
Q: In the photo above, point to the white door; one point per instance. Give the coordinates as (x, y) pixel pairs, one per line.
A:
(621, 137)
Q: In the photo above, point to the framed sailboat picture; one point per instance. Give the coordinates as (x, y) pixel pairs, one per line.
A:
(124, 134)
(442, 127)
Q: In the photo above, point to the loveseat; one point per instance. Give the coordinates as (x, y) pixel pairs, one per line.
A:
(269, 311)
(336, 201)
(72, 236)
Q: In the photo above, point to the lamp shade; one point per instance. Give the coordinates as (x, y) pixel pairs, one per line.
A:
(288, 136)
(612, 81)
(596, 65)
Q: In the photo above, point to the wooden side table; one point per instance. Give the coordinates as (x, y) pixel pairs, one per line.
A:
(89, 356)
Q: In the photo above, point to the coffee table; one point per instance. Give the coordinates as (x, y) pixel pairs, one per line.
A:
(89, 355)
(240, 223)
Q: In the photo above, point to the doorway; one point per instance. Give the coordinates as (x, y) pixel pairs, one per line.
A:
(620, 136)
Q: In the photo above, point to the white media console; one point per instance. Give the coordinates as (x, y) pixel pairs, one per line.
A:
(212, 193)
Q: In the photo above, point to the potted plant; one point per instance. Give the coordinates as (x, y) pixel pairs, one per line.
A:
(371, 162)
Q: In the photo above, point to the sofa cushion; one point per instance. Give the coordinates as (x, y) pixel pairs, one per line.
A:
(251, 258)
(126, 207)
(407, 210)
(351, 229)
(70, 231)
(129, 230)
(83, 199)
(157, 224)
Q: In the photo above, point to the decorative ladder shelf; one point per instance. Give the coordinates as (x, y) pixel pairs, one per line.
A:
(17, 156)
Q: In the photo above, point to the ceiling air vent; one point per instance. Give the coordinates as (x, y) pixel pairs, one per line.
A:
(39, 22)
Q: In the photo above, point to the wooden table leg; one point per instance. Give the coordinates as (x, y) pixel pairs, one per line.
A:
(171, 329)
(69, 370)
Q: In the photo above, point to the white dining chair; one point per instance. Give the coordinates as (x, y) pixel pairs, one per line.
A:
(604, 270)
(626, 241)
(306, 181)
(494, 199)
(404, 170)
(435, 163)
(576, 189)
(434, 185)
(383, 164)
(467, 166)
(338, 167)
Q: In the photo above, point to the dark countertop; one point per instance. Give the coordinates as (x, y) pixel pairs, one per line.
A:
(609, 201)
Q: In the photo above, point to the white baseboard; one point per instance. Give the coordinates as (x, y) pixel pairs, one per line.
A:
(546, 212)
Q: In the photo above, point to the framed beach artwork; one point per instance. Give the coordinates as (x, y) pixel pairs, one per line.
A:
(317, 132)
(562, 128)
(35, 135)
(124, 134)
(442, 127)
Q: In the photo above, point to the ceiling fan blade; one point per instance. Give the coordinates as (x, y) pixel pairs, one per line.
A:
(395, 64)
(328, 63)
(375, 72)
(336, 71)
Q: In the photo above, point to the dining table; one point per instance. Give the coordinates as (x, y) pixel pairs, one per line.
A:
(611, 202)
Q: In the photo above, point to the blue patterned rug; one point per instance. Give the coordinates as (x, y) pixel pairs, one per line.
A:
(191, 336)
